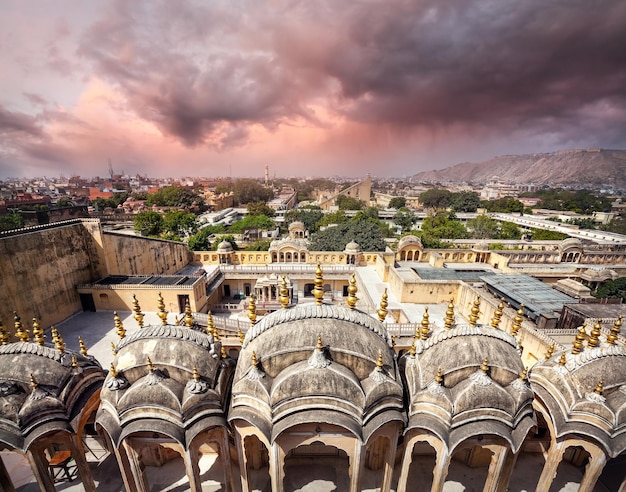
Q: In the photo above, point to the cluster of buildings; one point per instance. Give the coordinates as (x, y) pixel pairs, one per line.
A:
(377, 370)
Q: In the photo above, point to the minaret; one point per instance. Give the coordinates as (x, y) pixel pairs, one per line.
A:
(267, 174)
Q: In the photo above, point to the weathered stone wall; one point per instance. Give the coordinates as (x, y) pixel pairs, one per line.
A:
(40, 268)
(132, 255)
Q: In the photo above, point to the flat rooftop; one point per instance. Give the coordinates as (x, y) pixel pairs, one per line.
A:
(164, 280)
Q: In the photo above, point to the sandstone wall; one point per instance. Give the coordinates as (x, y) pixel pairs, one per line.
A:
(132, 255)
(40, 268)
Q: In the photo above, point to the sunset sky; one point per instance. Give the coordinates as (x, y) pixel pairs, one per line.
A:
(312, 88)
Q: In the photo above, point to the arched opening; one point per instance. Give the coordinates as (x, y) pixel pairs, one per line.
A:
(613, 473)
(403, 256)
(257, 463)
(469, 467)
(375, 458)
(531, 459)
(274, 257)
(308, 290)
(302, 257)
(571, 469)
(210, 465)
(331, 467)
(423, 459)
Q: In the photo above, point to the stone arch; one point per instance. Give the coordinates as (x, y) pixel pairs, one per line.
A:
(332, 467)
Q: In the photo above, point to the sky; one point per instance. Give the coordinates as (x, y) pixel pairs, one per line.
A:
(309, 88)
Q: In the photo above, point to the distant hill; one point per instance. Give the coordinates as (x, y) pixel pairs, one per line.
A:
(593, 168)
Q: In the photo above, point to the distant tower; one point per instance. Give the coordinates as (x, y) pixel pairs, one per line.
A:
(267, 174)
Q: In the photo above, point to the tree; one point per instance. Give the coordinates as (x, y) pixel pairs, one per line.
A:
(259, 245)
(348, 203)
(260, 208)
(11, 221)
(505, 205)
(437, 198)
(483, 227)
(338, 217)
(149, 223)
(179, 223)
(405, 219)
(465, 201)
(174, 196)
(200, 240)
(252, 222)
(366, 234)
(612, 289)
(397, 202)
(441, 226)
(249, 190)
(64, 202)
(544, 235)
(509, 230)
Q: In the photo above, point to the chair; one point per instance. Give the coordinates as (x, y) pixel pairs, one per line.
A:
(60, 460)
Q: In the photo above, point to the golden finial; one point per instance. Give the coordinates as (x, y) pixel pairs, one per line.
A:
(379, 361)
(113, 371)
(550, 351)
(284, 293)
(319, 345)
(119, 326)
(33, 383)
(137, 310)
(255, 362)
(162, 313)
(74, 362)
(150, 364)
(382, 312)
(579, 340)
(188, 316)
(615, 329)
(393, 341)
(594, 338)
(252, 310)
(60, 344)
(413, 349)
(497, 315)
(449, 319)
(20, 333)
(4, 334)
(113, 349)
(55, 334)
(524, 374)
(562, 359)
(599, 387)
(475, 312)
(196, 374)
(517, 321)
(425, 329)
(240, 334)
(485, 365)
(38, 334)
(211, 323)
(439, 376)
(82, 346)
(223, 352)
(318, 290)
(352, 290)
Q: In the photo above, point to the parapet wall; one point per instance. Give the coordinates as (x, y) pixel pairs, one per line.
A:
(41, 266)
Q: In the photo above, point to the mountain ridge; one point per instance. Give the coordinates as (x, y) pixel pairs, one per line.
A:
(571, 167)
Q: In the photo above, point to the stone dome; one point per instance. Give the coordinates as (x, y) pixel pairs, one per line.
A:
(317, 363)
(296, 226)
(168, 379)
(407, 240)
(224, 248)
(590, 383)
(43, 390)
(481, 246)
(352, 248)
(478, 391)
(570, 243)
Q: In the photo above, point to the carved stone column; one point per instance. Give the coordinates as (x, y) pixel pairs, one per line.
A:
(441, 471)
(500, 469)
(592, 473)
(555, 454)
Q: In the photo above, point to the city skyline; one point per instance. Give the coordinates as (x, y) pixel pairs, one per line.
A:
(328, 88)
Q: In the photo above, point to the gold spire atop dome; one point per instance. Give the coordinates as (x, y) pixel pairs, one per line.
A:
(223, 353)
(195, 374)
(150, 364)
(210, 324)
(74, 362)
(59, 344)
(425, 325)
(284, 293)
(562, 359)
(318, 290)
(113, 370)
(524, 374)
(188, 315)
(137, 310)
(615, 329)
(4, 334)
(352, 290)
(255, 361)
(240, 334)
(579, 340)
(252, 310)
(55, 334)
(413, 349)
(162, 313)
(20, 333)
(382, 312)
(82, 346)
(119, 326)
(449, 319)
(38, 334)
(475, 312)
(517, 321)
(379, 361)
(113, 349)
(319, 345)
(599, 387)
(594, 338)
(33, 383)
(439, 377)
(485, 365)
(550, 350)
(497, 315)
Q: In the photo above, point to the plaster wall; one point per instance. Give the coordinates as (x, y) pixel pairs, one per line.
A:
(39, 271)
